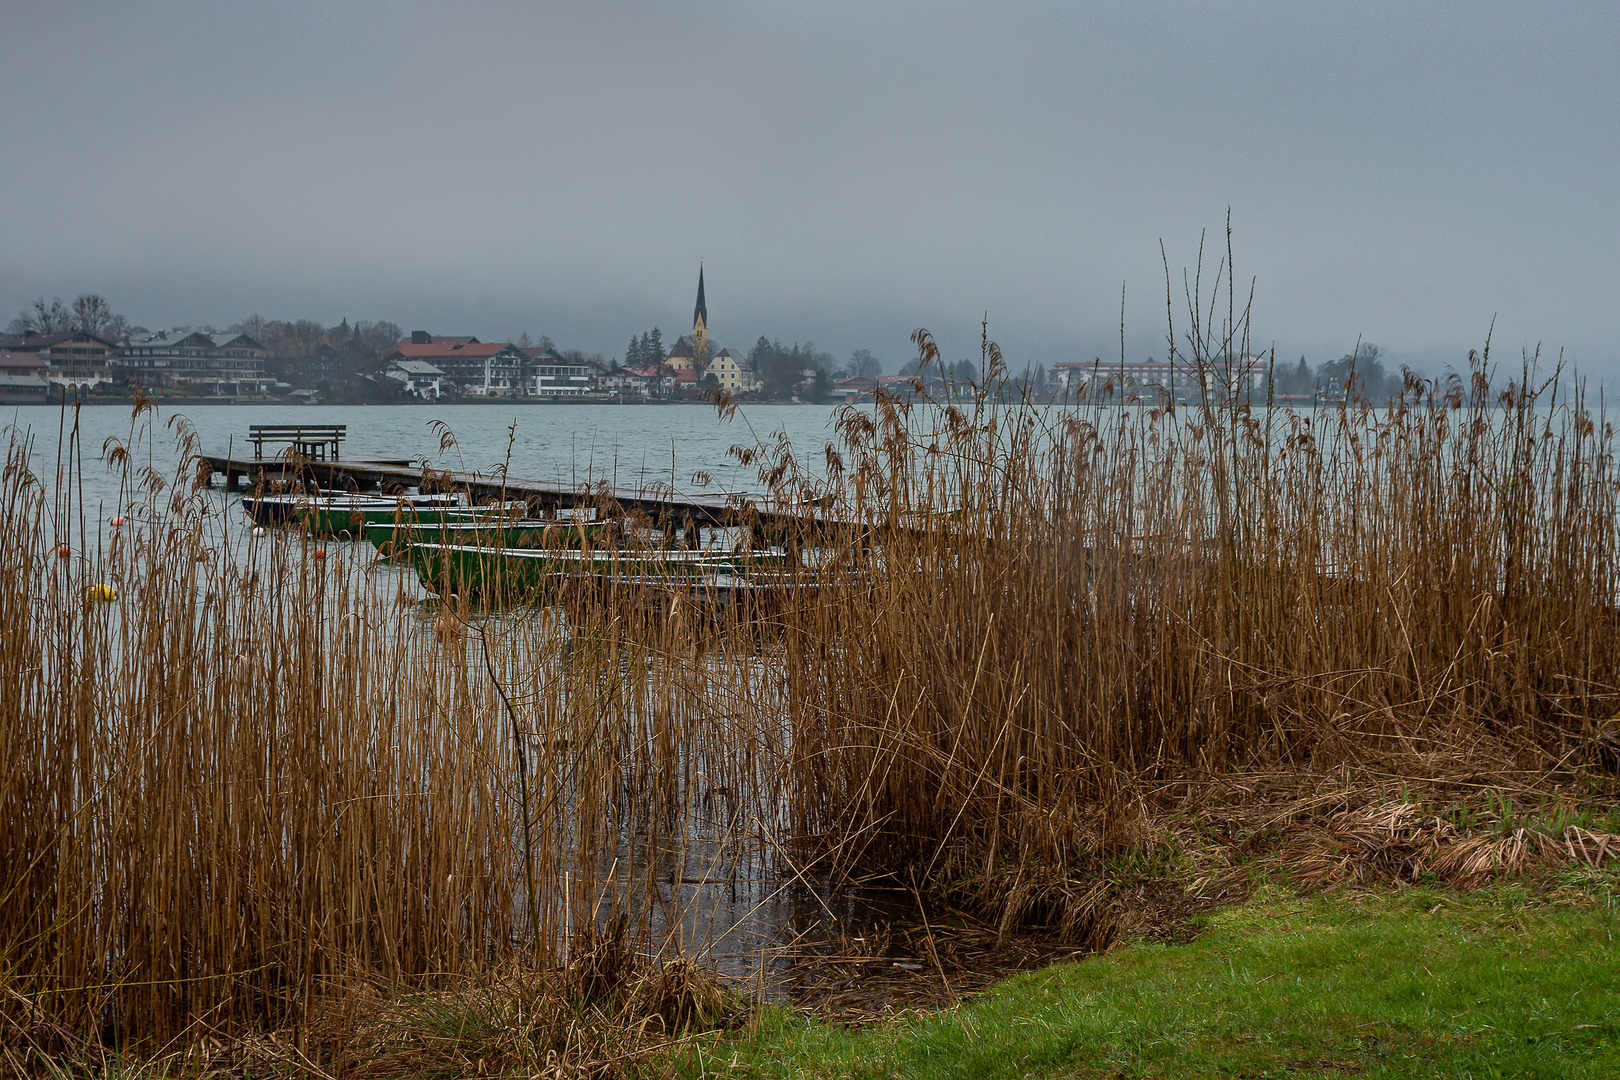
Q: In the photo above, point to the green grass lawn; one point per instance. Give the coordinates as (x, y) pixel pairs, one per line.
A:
(1504, 982)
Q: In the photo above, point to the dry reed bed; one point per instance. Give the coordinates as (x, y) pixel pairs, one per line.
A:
(260, 784)
(1116, 603)
(262, 777)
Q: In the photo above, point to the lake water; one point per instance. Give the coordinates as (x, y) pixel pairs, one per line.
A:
(625, 444)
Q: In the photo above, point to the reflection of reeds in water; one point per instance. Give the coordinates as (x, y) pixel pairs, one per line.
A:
(258, 779)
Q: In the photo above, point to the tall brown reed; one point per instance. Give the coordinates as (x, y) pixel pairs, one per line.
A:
(266, 773)
(1067, 610)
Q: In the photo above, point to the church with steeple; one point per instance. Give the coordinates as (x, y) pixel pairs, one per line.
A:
(696, 354)
(700, 324)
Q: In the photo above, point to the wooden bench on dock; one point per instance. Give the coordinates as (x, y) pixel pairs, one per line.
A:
(311, 440)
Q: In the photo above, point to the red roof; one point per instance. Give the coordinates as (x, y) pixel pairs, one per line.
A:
(440, 339)
(448, 348)
(685, 375)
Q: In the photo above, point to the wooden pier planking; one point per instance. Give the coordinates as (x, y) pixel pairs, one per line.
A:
(401, 475)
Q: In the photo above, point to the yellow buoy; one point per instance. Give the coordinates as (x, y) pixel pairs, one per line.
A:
(103, 592)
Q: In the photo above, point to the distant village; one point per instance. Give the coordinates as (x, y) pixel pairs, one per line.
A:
(85, 351)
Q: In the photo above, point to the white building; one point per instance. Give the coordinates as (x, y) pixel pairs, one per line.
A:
(555, 375)
(420, 377)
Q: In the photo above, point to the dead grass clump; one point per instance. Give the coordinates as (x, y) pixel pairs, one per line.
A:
(1403, 843)
(527, 1022)
(1079, 914)
(681, 996)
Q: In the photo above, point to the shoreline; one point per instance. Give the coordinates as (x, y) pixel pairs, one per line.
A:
(538, 402)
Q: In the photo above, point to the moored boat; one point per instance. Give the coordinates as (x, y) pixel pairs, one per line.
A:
(353, 521)
(284, 509)
(349, 516)
(391, 538)
(476, 570)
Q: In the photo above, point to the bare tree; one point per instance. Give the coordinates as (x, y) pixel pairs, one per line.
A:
(379, 336)
(255, 326)
(91, 313)
(43, 318)
(864, 364)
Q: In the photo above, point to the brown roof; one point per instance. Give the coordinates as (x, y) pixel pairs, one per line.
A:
(35, 342)
(20, 361)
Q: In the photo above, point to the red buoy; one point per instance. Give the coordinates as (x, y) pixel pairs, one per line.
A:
(64, 551)
(118, 521)
(320, 553)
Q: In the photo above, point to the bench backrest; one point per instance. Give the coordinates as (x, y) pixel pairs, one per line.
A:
(274, 430)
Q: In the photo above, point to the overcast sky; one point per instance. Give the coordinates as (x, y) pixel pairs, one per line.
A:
(846, 171)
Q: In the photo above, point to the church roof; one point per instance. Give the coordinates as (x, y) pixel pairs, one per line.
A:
(682, 348)
(700, 313)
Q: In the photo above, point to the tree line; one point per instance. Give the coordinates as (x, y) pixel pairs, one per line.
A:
(353, 350)
(1361, 372)
(286, 338)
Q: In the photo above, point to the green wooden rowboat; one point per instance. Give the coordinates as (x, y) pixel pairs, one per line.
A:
(332, 519)
(474, 570)
(391, 538)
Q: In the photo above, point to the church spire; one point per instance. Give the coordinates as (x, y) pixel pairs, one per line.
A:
(700, 314)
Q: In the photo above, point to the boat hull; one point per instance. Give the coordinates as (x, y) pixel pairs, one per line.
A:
(450, 569)
(271, 510)
(391, 538)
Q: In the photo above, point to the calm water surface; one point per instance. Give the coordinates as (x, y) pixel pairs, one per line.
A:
(625, 444)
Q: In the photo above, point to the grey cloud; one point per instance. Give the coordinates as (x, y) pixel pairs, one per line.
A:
(847, 171)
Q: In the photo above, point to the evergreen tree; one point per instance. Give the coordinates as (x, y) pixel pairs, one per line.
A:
(1301, 381)
(632, 353)
(762, 358)
(655, 347)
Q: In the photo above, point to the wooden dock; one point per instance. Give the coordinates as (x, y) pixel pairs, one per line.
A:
(402, 476)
